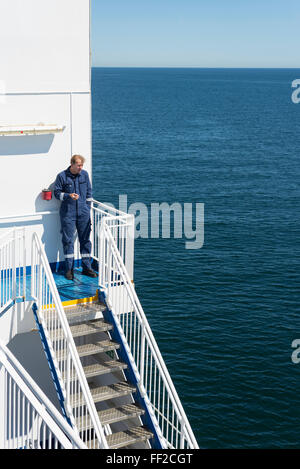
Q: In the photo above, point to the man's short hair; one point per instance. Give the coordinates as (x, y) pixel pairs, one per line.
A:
(77, 157)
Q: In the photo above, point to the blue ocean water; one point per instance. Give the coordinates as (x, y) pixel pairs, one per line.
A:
(224, 316)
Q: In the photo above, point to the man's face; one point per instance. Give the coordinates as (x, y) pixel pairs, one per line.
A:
(77, 166)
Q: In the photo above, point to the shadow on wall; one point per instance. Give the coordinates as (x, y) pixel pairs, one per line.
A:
(46, 205)
(27, 348)
(51, 236)
(25, 144)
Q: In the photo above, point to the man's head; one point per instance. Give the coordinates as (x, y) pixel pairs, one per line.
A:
(77, 162)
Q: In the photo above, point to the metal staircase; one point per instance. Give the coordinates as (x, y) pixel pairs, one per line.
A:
(112, 383)
(111, 392)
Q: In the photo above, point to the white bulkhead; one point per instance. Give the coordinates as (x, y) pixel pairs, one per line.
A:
(45, 81)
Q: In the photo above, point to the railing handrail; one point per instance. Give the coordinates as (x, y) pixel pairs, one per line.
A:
(110, 208)
(120, 218)
(70, 340)
(151, 340)
(44, 407)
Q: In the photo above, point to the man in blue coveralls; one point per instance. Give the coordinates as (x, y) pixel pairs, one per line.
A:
(73, 188)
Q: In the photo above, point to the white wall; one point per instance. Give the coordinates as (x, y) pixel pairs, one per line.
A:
(45, 77)
(45, 45)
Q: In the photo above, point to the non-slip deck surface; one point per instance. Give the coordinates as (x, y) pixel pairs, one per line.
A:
(81, 287)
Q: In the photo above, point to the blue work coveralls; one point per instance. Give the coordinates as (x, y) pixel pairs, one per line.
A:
(75, 215)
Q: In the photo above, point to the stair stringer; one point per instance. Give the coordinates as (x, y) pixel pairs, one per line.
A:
(140, 396)
(53, 369)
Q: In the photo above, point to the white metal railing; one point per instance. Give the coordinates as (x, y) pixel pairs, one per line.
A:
(112, 248)
(154, 379)
(121, 225)
(28, 419)
(79, 405)
(12, 267)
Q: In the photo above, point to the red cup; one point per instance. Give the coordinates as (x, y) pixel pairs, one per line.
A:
(46, 194)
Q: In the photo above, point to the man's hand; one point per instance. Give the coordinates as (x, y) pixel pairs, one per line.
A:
(74, 196)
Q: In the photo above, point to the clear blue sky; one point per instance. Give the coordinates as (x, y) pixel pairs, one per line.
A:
(196, 33)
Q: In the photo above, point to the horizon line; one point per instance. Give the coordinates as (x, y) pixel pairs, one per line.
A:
(195, 67)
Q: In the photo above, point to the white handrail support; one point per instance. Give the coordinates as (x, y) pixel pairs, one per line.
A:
(154, 379)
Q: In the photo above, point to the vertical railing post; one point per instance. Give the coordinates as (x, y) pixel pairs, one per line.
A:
(100, 262)
(33, 280)
(39, 282)
(129, 249)
(142, 357)
(92, 212)
(14, 286)
(182, 433)
(101, 254)
(68, 373)
(109, 270)
(24, 263)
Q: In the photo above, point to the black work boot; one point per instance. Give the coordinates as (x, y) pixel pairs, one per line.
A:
(89, 273)
(69, 274)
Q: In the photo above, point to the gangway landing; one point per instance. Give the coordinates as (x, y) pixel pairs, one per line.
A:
(112, 391)
(75, 290)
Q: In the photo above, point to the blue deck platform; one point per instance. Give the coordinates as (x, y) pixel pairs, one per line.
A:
(69, 290)
(81, 287)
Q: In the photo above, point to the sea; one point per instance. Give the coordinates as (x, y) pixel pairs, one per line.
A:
(226, 315)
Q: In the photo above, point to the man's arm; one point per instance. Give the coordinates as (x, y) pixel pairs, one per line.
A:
(89, 194)
(58, 189)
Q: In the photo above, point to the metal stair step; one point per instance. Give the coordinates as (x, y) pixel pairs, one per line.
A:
(103, 368)
(83, 309)
(97, 347)
(103, 393)
(109, 416)
(128, 437)
(118, 414)
(125, 438)
(78, 330)
(97, 369)
(81, 312)
(91, 349)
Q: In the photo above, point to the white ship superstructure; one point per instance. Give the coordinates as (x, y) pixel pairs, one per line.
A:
(79, 366)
